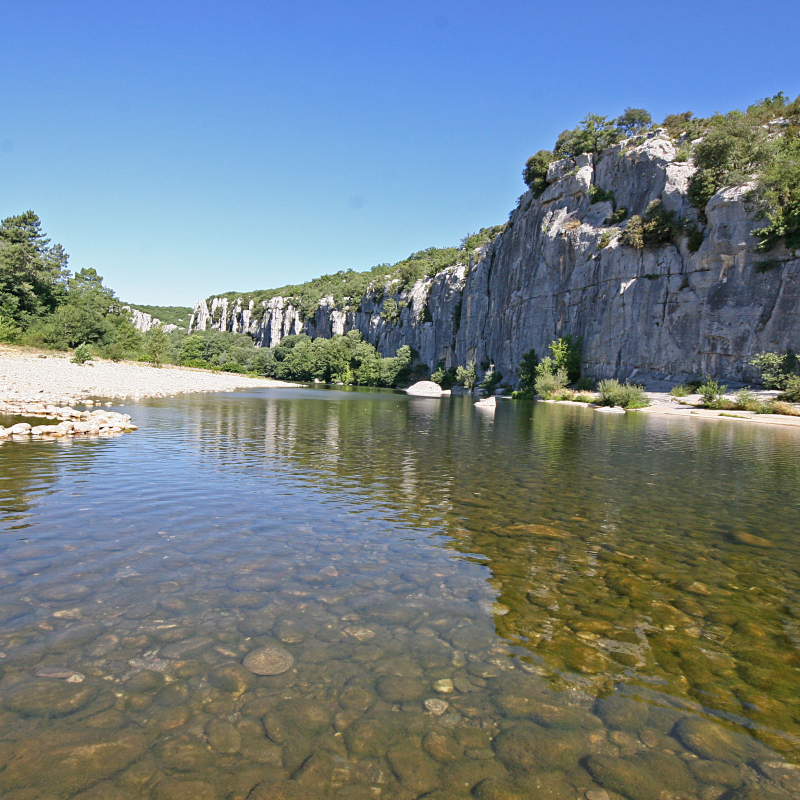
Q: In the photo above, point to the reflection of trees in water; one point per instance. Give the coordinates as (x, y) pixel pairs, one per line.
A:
(29, 470)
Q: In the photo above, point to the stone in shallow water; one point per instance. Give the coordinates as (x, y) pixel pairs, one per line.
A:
(73, 637)
(172, 789)
(621, 713)
(269, 660)
(416, 772)
(527, 747)
(64, 593)
(59, 764)
(41, 697)
(671, 771)
(711, 741)
(60, 673)
(305, 718)
(394, 689)
(436, 706)
(285, 790)
(624, 777)
(441, 746)
(188, 647)
(231, 678)
(223, 737)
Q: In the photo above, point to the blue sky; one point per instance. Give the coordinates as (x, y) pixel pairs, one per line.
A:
(185, 148)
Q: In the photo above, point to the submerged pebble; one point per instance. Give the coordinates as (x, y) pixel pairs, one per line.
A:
(269, 660)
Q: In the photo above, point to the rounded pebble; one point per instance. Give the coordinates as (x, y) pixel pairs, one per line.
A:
(269, 660)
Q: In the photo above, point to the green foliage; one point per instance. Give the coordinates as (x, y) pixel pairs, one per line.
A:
(618, 216)
(733, 149)
(535, 172)
(658, 227)
(551, 379)
(776, 369)
(466, 376)
(169, 315)
(9, 332)
(778, 196)
(695, 237)
(348, 287)
(445, 378)
(681, 390)
(390, 311)
(624, 395)
(156, 345)
(566, 353)
(767, 265)
(491, 380)
(484, 235)
(684, 152)
(82, 354)
(33, 273)
(711, 392)
(685, 123)
(633, 121)
(593, 135)
(606, 237)
(747, 400)
(791, 389)
(586, 384)
(341, 359)
(527, 370)
(598, 195)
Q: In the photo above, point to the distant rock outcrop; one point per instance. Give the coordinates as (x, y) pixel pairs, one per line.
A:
(143, 322)
(561, 267)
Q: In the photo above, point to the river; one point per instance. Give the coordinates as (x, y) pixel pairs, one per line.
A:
(537, 602)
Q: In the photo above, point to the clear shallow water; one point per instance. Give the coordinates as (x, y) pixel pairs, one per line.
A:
(604, 602)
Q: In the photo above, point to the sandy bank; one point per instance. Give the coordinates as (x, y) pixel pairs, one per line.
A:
(53, 378)
(662, 403)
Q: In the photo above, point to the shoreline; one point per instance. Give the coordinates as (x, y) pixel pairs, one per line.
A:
(49, 385)
(662, 404)
(52, 379)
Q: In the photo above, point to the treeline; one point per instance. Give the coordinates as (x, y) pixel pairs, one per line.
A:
(342, 359)
(347, 287)
(43, 304)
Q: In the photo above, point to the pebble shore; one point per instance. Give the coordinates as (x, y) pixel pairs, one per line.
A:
(49, 385)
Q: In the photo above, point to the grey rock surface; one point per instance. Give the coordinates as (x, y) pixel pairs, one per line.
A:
(648, 315)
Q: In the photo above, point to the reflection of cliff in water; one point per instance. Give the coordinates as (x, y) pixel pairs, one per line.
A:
(651, 551)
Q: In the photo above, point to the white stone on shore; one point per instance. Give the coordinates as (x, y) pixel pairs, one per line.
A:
(426, 389)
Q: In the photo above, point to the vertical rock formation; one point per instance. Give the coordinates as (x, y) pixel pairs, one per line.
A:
(560, 268)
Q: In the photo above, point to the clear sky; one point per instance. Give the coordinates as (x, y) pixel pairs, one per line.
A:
(186, 148)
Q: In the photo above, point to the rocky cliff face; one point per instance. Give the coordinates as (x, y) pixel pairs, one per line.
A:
(644, 314)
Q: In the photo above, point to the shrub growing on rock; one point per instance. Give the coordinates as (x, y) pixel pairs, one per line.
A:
(535, 172)
(658, 227)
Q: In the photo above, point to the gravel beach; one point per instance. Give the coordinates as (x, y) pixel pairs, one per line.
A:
(53, 378)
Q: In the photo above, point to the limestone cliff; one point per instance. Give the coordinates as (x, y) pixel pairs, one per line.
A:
(143, 321)
(559, 267)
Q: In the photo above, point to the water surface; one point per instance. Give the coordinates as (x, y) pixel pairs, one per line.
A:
(600, 603)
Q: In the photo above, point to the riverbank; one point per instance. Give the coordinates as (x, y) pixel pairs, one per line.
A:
(51, 378)
(662, 403)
